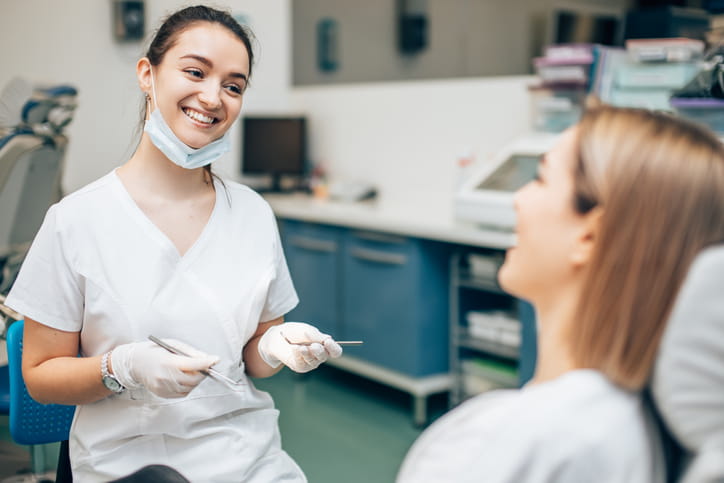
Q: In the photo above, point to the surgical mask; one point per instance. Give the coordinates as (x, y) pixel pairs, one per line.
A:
(176, 150)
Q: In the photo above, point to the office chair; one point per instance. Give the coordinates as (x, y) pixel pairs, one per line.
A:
(688, 381)
(32, 423)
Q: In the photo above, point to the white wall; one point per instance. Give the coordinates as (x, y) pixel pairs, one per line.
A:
(71, 42)
(405, 137)
(402, 136)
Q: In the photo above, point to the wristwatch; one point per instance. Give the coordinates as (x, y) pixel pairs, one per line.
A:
(109, 380)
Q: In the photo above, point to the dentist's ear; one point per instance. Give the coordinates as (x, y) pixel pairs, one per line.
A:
(143, 72)
(583, 248)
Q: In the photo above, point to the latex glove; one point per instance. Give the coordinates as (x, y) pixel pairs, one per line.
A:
(299, 346)
(159, 371)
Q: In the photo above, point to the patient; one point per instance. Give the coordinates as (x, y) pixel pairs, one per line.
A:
(605, 236)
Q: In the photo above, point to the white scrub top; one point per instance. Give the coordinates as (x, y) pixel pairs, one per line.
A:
(577, 428)
(100, 267)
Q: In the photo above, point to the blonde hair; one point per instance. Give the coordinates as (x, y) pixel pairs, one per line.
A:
(658, 182)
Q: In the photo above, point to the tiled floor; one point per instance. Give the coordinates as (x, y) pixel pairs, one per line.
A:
(337, 426)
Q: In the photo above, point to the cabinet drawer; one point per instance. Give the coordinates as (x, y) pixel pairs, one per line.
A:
(395, 300)
(312, 252)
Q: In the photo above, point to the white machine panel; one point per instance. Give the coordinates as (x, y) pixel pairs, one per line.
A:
(486, 198)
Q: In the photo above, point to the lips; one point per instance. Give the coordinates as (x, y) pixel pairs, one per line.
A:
(198, 117)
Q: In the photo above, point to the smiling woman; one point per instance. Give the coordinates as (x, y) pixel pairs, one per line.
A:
(161, 247)
(605, 235)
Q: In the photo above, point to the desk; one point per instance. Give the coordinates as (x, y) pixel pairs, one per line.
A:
(396, 218)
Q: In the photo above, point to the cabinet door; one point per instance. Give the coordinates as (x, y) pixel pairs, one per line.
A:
(395, 300)
(312, 253)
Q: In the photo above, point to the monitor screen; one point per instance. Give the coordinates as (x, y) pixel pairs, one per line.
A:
(514, 173)
(274, 145)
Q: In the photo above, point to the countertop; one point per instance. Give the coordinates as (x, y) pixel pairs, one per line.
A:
(391, 217)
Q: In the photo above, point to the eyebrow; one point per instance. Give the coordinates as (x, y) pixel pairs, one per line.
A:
(210, 64)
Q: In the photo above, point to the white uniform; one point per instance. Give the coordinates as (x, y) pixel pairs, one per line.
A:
(577, 428)
(100, 267)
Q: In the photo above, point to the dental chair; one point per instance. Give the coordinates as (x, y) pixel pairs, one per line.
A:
(32, 148)
(688, 382)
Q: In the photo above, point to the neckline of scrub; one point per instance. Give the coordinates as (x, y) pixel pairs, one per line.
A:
(156, 233)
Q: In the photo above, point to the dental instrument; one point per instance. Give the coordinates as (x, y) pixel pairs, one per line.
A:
(209, 372)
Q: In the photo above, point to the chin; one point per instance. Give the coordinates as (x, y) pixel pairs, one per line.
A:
(506, 279)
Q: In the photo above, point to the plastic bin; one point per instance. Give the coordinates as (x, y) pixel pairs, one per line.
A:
(665, 50)
(657, 99)
(660, 76)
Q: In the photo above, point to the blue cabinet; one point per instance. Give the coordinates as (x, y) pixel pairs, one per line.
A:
(387, 290)
(313, 252)
(395, 299)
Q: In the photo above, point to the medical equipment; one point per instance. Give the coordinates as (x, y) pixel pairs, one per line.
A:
(288, 344)
(209, 372)
(32, 147)
(340, 342)
(486, 197)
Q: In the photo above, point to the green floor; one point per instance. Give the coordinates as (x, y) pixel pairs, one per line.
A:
(337, 426)
(340, 427)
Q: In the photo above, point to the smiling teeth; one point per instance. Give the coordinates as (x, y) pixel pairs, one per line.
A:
(197, 116)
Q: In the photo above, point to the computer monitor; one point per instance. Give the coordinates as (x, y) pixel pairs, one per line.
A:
(274, 145)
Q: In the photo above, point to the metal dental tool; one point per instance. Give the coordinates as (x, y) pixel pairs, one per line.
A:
(209, 372)
(340, 342)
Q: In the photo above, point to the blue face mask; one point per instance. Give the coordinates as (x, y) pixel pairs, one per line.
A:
(176, 150)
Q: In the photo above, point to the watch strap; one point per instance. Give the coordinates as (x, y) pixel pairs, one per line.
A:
(109, 380)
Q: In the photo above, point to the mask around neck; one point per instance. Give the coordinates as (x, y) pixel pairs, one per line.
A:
(176, 150)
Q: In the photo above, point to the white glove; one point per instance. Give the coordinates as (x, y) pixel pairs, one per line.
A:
(161, 372)
(301, 347)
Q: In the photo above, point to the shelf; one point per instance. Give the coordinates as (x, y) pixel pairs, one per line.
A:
(488, 347)
(418, 387)
(479, 283)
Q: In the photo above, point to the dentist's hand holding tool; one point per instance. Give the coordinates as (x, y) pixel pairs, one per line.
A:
(145, 364)
(299, 346)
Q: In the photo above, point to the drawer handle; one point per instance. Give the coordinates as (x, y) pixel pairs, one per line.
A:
(313, 244)
(379, 257)
(379, 237)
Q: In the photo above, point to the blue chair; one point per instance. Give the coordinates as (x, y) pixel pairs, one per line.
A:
(32, 423)
(4, 390)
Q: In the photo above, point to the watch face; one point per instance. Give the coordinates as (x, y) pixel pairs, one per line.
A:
(112, 384)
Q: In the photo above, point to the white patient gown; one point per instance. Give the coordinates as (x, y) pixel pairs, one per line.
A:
(101, 267)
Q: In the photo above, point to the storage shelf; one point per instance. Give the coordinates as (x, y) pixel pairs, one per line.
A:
(479, 283)
(418, 387)
(483, 345)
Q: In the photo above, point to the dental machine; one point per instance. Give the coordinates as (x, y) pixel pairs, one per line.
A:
(486, 197)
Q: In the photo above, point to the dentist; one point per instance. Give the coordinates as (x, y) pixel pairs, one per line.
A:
(161, 246)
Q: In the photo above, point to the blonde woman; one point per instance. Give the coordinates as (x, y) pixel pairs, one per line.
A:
(605, 236)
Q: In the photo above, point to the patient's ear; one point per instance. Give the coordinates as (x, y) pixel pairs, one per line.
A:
(143, 72)
(587, 238)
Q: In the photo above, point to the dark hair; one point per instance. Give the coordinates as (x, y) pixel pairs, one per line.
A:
(179, 21)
